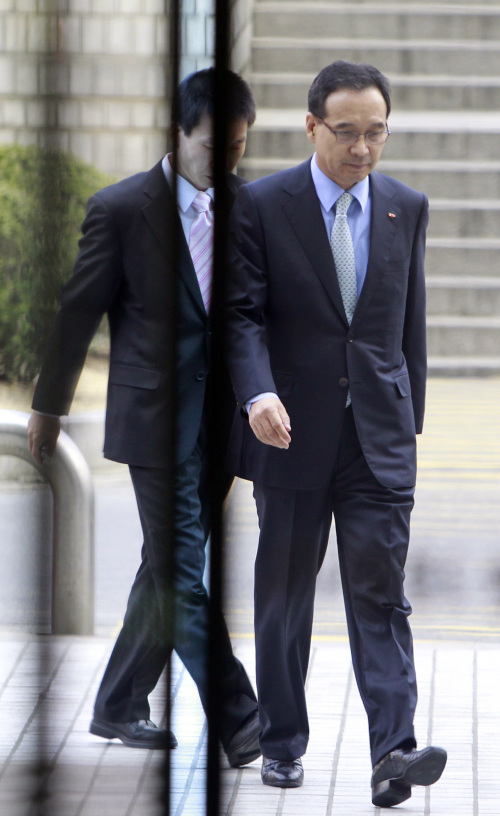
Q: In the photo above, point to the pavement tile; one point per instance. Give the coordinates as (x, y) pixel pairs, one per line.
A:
(48, 684)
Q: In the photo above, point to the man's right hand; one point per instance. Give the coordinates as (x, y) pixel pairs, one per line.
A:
(270, 422)
(43, 432)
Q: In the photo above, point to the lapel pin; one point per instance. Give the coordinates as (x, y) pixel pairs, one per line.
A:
(391, 215)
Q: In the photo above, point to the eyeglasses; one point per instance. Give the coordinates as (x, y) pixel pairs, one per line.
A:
(350, 137)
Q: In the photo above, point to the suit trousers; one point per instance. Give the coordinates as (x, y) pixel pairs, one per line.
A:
(145, 642)
(372, 530)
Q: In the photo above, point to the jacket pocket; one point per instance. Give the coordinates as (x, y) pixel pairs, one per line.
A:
(135, 376)
(403, 384)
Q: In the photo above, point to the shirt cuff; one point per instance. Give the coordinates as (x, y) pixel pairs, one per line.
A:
(258, 397)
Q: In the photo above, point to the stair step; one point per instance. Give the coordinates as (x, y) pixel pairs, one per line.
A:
(459, 336)
(412, 92)
(452, 135)
(464, 219)
(462, 257)
(466, 296)
(434, 178)
(463, 366)
(410, 145)
(385, 20)
(462, 57)
(443, 61)
(458, 179)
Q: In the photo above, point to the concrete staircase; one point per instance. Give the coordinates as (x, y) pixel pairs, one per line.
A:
(443, 61)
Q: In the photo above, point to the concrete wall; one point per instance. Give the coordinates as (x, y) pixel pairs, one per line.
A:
(91, 76)
(242, 21)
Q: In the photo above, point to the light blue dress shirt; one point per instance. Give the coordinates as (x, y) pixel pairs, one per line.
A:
(358, 215)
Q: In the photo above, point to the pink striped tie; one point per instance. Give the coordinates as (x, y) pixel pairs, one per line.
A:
(201, 245)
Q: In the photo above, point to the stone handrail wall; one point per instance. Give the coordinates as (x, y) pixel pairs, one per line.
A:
(73, 529)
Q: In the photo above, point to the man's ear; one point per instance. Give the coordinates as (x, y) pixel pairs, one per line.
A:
(311, 125)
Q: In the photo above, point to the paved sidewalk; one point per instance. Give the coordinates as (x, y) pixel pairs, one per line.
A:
(459, 708)
(48, 684)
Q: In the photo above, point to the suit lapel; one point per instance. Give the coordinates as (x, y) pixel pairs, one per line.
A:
(310, 230)
(386, 213)
(303, 211)
(158, 207)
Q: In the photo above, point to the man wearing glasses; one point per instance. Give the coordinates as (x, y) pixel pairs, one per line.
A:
(328, 357)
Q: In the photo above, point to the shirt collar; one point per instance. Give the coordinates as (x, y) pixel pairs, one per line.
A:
(328, 191)
(186, 193)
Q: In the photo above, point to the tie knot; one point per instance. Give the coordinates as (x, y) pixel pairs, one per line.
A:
(343, 204)
(202, 202)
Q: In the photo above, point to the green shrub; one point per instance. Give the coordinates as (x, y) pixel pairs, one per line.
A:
(42, 205)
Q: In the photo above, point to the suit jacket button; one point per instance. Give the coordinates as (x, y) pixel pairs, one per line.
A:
(350, 339)
(200, 376)
(343, 382)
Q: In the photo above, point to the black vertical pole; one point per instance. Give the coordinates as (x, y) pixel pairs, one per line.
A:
(173, 9)
(222, 29)
(47, 238)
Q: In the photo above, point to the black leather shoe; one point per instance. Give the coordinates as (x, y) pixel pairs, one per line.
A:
(394, 775)
(140, 734)
(280, 774)
(244, 746)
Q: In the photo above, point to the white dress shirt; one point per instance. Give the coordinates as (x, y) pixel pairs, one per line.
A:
(186, 194)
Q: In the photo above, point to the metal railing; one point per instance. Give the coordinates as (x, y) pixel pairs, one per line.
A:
(73, 524)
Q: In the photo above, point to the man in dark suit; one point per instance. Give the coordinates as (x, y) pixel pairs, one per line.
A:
(328, 359)
(121, 271)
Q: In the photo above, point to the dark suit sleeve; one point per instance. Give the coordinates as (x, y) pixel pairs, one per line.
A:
(248, 356)
(414, 334)
(85, 299)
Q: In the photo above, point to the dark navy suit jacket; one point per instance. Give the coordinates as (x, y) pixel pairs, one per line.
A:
(121, 269)
(288, 332)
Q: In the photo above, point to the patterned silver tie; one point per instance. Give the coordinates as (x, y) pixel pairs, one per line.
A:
(343, 256)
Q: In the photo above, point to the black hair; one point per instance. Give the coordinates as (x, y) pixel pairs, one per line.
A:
(350, 75)
(196, 97)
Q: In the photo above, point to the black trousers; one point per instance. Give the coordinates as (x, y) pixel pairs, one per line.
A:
(372, 528)
(144, 643)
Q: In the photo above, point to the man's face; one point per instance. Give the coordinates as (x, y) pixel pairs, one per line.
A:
(348, 110)
(195, 156)
(236, 142)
